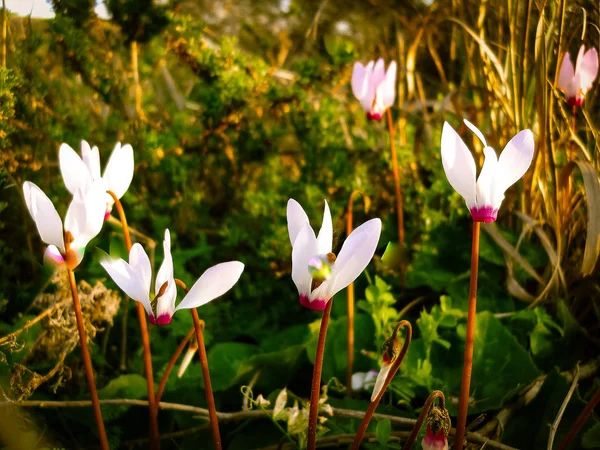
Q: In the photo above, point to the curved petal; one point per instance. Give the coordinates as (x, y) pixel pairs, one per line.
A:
(588, 69)
(381, 377)
(165, 273)
(95, 207)
(44, 215)
(128, 280)
(355, 255)
(165, 304)
(358, 381)
(459, 164)
(304, 248)
(485, 182)
(296, 218)
(366, 100)
(325, 237)
(140, 263)
(386, 91)
(52, 256)
(566, 74)
(91, 158)
(476, 131)
(378, 73)
(74, 171)
(514, 161)
(119, 170)
(359, 79)
(213, 283)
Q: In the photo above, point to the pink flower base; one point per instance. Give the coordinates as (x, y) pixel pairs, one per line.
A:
(106, 215)
(485, 214)
(434, 442)
(163, 319)
(316, 305)
(575, 101)
(374, 116)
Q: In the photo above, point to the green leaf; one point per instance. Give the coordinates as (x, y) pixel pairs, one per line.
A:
(125, 386)
(383, 431)
(227, 360)
(591, 438)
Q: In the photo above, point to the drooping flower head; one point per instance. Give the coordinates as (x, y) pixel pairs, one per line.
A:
(83, 221)
(80, 172)
(485, 196)
(373, 87)
(438, 427)
(316, 271)
(135, 279)
(576, 82)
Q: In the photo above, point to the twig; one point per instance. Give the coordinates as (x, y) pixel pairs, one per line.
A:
(580, 420)
(561, 411)
(237, 416)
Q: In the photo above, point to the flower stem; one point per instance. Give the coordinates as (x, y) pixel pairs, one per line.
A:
(153, 407)
(316, 380)
(422, 415)
(463, 402)
(350, 301)
(395, 171)
(87, 362)
(570, 158)
(589, 408)
(210, 399)
(362, 428)
(172, 361)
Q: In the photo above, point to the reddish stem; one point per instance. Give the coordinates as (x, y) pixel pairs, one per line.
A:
(152, 405)
(87, 362)
(172, 361)
(210, 399)
(580, 421)
(463, 402)
(316, 380)
(362, 429)
(422, 415)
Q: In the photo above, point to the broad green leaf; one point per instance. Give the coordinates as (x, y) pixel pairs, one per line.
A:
(226, 361)
(591, 438)
(383, 431)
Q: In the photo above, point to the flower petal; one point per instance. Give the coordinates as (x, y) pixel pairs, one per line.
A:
(44, 215)
(85, 215)
(140, 263)
(359, 79)
(566, 74)
(213, 283)
(128, 280)
(485, 182)
(52, 256)
(296, 218)
(459, 164)
(514, 161)
(119, 170)
(91, 158)
(378, 74)
(381, 377)
(165, 273)
(366, 100)
(355, 255)
(74, 171)
(325, 237)
(588, 69)
(386, 91)
(165, 304)
(304, 248)
(476, 131)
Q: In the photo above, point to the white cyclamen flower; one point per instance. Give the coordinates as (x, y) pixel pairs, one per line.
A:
(373, 87)
(364, 380)
(485, 196)
(83, 221)
(80, 172)
(575, 82)
(135, 279)
(317, 273)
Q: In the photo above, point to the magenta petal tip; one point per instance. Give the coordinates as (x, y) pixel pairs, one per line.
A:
(315, 305)
(484, 214)
(374, 116)
(163, 319)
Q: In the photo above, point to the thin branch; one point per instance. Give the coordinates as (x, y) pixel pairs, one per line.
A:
(237, 416)
(561, 411)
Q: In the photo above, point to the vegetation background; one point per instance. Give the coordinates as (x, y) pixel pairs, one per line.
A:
(234, 107)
